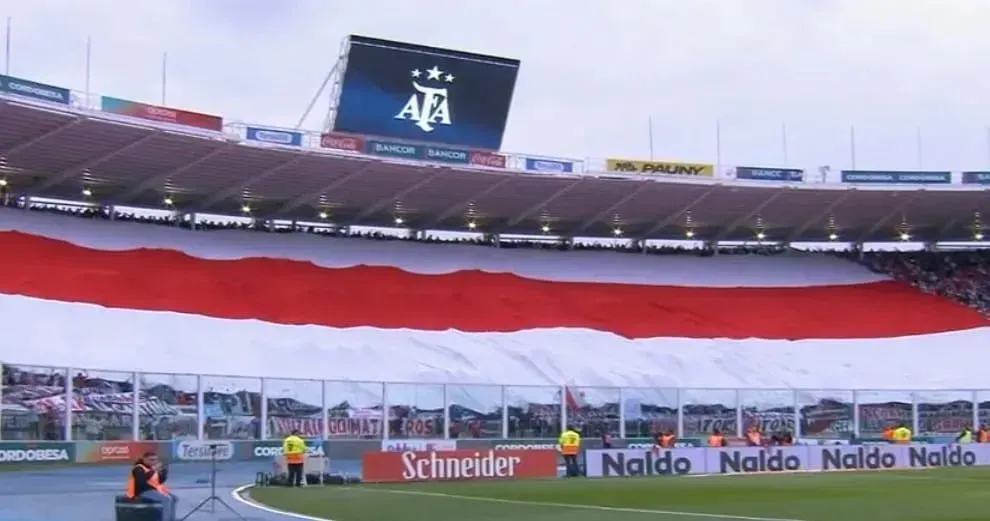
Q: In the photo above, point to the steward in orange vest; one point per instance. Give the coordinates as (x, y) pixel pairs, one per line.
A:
(147, 481)
(716, 439)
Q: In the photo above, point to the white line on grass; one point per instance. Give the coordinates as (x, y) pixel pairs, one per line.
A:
(572, 506)
(239, 495)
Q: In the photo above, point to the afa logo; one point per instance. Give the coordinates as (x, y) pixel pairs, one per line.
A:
(429, 105)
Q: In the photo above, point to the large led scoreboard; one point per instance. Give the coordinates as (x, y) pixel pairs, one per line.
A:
(427, 94)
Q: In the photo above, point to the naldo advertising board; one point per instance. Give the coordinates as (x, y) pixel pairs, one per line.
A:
(742, 460)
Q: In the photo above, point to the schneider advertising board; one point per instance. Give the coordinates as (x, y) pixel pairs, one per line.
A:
(633, 462)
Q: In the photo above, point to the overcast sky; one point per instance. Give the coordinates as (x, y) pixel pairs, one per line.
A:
(592, 72)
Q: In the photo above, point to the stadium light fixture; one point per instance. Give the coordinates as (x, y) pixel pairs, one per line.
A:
(617, 231)
(545, 228)
(472, 225)
(245, 208)
(168, 201)
(323, 215)
(399, 220)
(87, 192)
(3, 182)
(905, 236)
(689, 234)
(978, 236)
(832, 236)
(760, 236)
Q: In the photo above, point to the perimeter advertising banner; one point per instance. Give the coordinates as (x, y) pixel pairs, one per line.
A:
(742, 460)
(886, 177)
(433, 153)
(344, 142)
(118, 451)
(458, 465)
(659, 167)
(550, 166)
(36, 453)
(34, 90)
(161, 114)
(287, 138)
(976, 178)
(756, 173)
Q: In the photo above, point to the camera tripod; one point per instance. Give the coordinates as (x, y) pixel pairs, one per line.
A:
(213, 498)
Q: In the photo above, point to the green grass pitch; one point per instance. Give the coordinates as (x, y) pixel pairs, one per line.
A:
(945, 494)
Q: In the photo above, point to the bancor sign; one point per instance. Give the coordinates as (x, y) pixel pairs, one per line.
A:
(743, 460)
(409, 466)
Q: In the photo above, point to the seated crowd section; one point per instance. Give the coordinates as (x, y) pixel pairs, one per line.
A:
(34, 399)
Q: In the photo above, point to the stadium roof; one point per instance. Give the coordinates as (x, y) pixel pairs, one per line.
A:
(56, 152)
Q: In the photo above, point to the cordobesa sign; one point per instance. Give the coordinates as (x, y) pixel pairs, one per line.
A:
(632, 462)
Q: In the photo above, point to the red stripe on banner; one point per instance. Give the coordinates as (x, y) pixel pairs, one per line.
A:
(292, 292)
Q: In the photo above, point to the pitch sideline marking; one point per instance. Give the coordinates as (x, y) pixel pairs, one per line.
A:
(239, 495)
(571, 506)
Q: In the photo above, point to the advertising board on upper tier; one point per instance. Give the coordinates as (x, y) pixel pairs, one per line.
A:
(742, 460)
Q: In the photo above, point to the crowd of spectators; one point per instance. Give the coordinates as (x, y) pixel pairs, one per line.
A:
(960, 275)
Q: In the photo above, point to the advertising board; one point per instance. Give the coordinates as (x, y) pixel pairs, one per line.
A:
(160, 114)
(458, 465)
(117, 451)
(755, 173)
(36, 452)
(34, 90)
(273, 448)
(550, 166)
(976, 178)
(288, 138)
(885, 177)
(409, 91)
(659, 167)
(335, 141)
(742, 460)
(418, 445)
(205, 450)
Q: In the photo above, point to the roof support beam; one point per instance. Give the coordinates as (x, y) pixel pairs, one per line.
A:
(539, 206)
(377, 206)
(305, 198)
(449, 212)
(817, 217)
(77, 169)
(725, 232)
(37, 139)
(159, 179)
(898, 208)
(673, 217)
(226, 193)
(598, 217)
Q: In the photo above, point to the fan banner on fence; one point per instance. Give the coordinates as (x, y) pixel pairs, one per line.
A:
(742, 460)
(34, 90)
(659, 167)
(365, 427)
(458, 465)
(287, 138)
(161, 114)
(769, 174)
(884, 177)
(550, 166)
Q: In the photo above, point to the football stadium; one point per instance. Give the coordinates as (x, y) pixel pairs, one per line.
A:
(455, 331)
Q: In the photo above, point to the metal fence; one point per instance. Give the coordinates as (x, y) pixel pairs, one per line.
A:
(44, 403)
